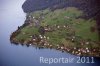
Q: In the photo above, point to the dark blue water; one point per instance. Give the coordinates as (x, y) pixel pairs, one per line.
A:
(12, 16)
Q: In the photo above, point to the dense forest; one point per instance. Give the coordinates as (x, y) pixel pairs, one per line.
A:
(90, 7)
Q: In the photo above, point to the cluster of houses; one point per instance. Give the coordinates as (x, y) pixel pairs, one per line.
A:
(74, 50)
(42, 40)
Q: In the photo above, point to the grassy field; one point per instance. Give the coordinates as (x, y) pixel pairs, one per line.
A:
(62, 17)
(68, 28)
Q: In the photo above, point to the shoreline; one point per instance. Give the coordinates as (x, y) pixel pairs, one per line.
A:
(41, 40)
(74, 50)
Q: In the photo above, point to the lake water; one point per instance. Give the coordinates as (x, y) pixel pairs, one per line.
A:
(12, 16)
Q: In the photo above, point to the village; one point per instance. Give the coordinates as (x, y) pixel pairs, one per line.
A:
(44, 30)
